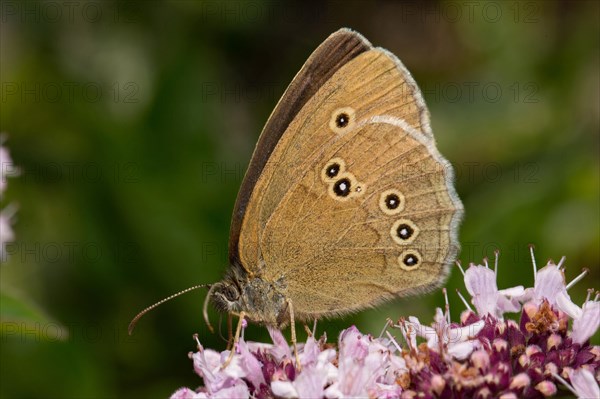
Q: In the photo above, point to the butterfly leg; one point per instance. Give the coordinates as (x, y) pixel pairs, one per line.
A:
(229, 331)
(308, 331)
(294, 341)
(236, 339)
(313, 332)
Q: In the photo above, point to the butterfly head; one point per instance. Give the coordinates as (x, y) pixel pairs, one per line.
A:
(261, 301)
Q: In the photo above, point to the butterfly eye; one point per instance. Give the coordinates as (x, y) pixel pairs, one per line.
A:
(404, 231)
(342, 119)
(409, 260)
(231, 293)
(391, 202)
(342, 187)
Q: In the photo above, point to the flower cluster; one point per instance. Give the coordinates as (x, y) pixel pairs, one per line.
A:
(7, 169)
(482, 356)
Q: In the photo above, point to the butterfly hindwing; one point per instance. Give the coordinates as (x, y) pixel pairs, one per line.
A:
(343, 248)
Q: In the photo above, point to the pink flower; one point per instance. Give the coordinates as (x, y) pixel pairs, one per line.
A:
(362, 363)
(488, 300)
(458, 341)
(482, 356)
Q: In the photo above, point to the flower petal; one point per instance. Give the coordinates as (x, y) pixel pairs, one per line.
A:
(310, 352)
(481, 284)
(310, 383)
(480, 279)
(353, 343)
(462, 350)
(504, 305)
(549, 282)
(183, 393)
(586, 325)
(280, 349)
(584, 383)
(239, 390)
(513, 292)
(284, 389)
(564, 303)
(385, 391)
(250, 365)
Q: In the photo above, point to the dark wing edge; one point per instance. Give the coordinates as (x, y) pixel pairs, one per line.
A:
(338, 49)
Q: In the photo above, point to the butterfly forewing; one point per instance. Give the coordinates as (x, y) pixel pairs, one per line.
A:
(371, 84)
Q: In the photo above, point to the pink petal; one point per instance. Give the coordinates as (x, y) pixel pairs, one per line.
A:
(324, 364)
(517, 291)
(565, 304)
(233, 371)
(280, 349)
(240, 390)
(206, 364)
(462, 334)
(333, 391)
(396, 367)
(480, 280)
(584, 383)
(310, 383)
(528, 294)
(507, 305)
(549, 282)
(462, 350)
(486, 304)
(250, 364)
(310, 352)
(284, 389)
(353, 343)
(415, 328)
(481, 284)
(183, 393)
(384, 391)
(586, 325)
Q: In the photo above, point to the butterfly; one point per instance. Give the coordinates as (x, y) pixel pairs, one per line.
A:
(347, 202)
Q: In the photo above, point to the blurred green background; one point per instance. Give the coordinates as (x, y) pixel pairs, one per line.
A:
(133, 124)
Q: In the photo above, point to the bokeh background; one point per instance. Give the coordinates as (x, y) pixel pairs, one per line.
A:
(133, 122)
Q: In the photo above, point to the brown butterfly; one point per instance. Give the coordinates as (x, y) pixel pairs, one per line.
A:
(347, 202)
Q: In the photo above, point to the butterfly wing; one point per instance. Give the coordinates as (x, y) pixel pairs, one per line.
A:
(347, 72)
(341, 47)
(382, 223)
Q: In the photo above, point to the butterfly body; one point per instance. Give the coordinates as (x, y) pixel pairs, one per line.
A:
(263, 302)
(347, 202)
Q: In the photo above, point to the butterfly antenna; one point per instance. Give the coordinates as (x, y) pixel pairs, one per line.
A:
(205, 307)
(149, 308)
